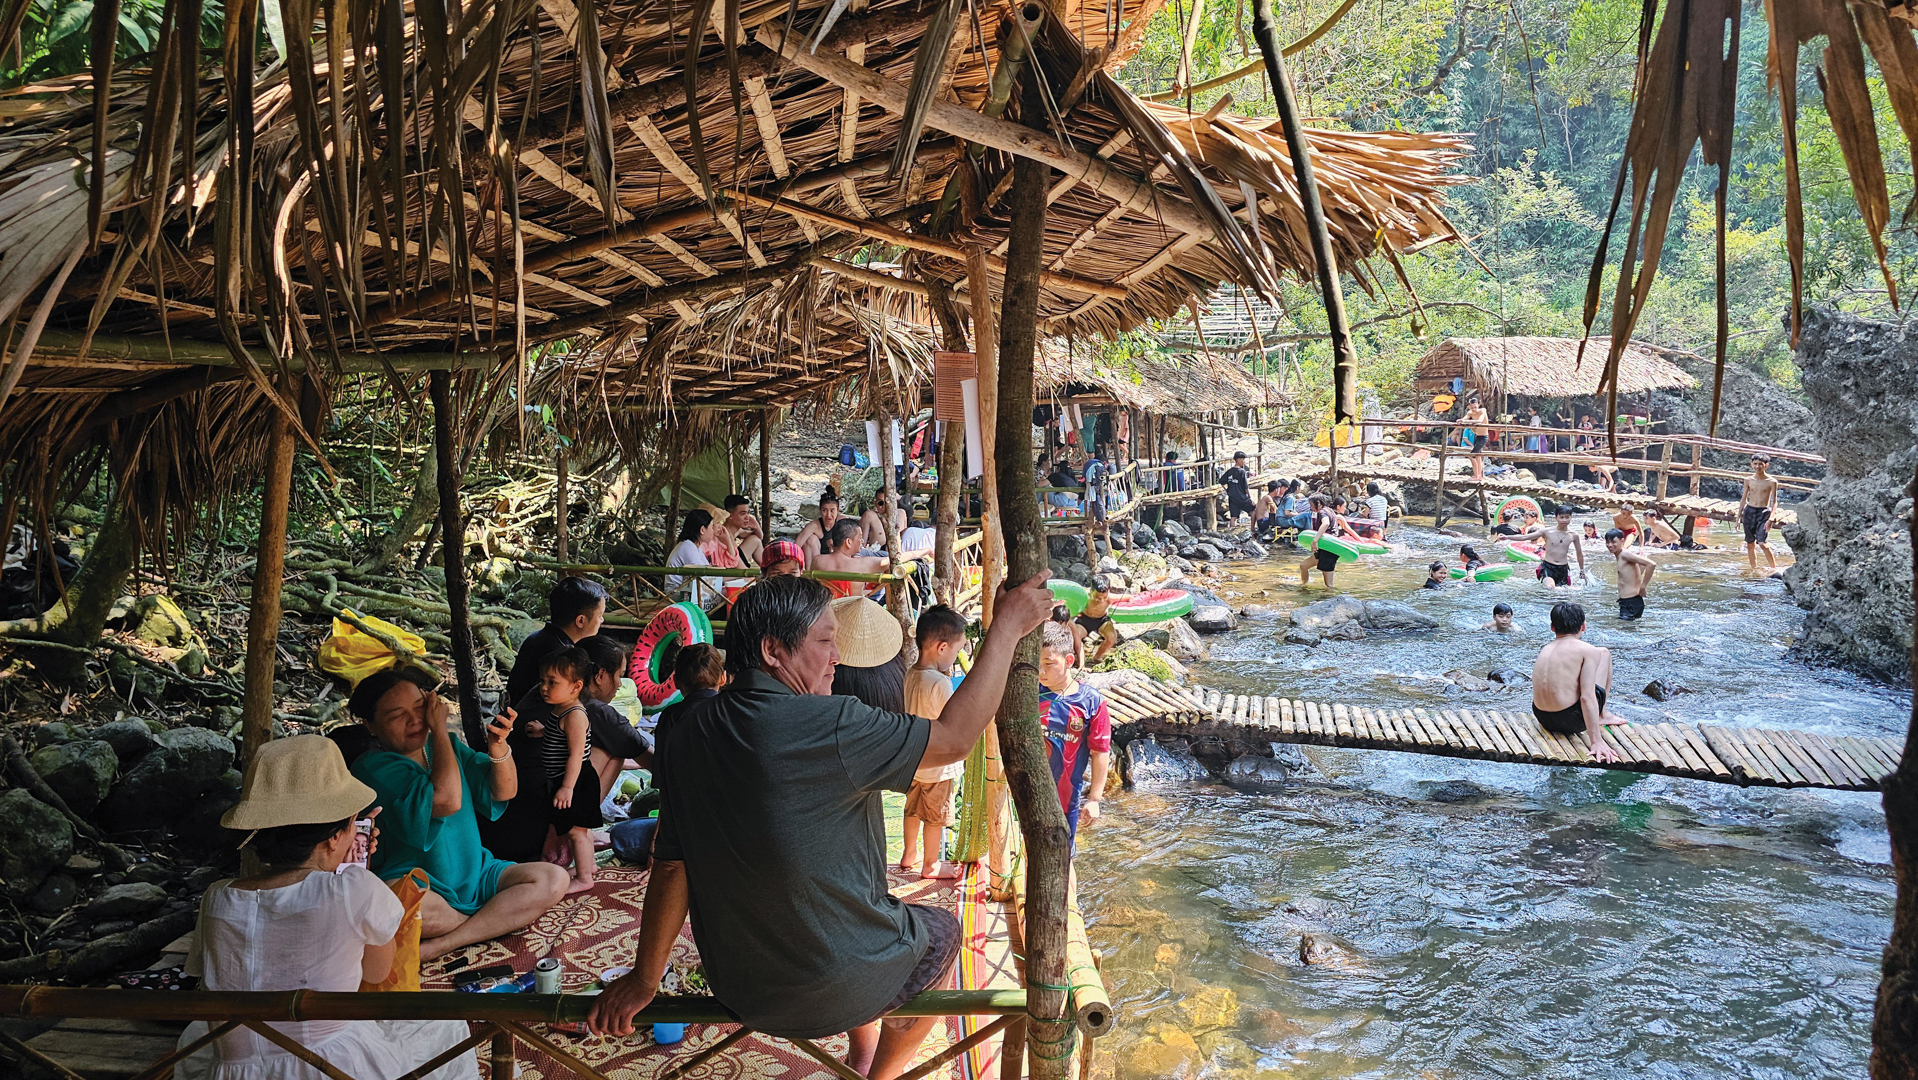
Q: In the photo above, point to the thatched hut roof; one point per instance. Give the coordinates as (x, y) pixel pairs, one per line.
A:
(556, 191)
(1177, 385)
(1544, 367)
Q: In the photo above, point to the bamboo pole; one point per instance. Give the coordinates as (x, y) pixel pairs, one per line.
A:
(1664, 468)
(560, 498)
(453, 550)
(1438, 506)
(1023, 743)
(992, 553)
(945, 572)
(1345, 363)
(269, 572)
(889, 520)
(765, 475)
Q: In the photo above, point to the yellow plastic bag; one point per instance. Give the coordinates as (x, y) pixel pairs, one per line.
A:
(353, 655)
(411, 888)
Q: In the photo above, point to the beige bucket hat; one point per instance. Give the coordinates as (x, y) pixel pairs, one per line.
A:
(300, 780)
(867, 634)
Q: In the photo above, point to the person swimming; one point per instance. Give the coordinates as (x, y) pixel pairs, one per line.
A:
(1469, 556)
(1502, 621)
(1436, 575)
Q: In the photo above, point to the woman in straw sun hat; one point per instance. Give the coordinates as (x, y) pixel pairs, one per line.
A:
(872, 666)
(310, 920)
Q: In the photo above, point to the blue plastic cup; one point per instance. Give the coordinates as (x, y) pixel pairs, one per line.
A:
(668, 1034)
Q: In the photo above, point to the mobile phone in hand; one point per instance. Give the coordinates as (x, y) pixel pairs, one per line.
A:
(362, 843)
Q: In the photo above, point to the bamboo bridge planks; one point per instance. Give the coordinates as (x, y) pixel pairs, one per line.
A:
(1462, 483)
(1743, 756)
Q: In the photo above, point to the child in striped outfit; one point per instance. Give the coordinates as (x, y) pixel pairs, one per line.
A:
(566, 753)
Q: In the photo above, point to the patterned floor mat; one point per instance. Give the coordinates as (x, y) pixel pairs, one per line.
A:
(596, 930)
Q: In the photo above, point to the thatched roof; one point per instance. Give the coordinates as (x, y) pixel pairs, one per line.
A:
(556, 191)
(1163, 384)
(1544, 367)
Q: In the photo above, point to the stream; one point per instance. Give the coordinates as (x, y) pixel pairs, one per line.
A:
(1484, 919)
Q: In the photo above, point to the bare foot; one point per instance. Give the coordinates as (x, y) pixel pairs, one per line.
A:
(579, 885)
(938, 871)
(1609, 719)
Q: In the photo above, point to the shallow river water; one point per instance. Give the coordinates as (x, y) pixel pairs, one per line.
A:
(1482, 919)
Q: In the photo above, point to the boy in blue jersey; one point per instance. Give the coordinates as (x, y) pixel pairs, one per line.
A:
(1078, 731)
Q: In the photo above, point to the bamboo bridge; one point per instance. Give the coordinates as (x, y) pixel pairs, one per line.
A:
(1448, 466)
(1746, 757)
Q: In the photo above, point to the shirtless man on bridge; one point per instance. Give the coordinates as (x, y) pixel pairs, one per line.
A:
(1555, 564)
(1570, 681)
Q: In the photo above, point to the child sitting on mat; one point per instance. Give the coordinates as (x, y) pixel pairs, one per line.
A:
(565, 753)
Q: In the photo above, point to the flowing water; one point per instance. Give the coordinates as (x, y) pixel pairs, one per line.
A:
(1483, 919)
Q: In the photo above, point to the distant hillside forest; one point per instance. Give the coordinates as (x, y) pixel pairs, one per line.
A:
(1544, 89)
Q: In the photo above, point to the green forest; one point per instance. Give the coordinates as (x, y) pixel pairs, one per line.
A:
(1543, 88)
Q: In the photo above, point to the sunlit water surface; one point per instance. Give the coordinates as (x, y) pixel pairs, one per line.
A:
(1479, 919)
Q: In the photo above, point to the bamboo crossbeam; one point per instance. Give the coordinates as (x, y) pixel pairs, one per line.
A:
(242, 1006)
(187, 352)
(905, 570)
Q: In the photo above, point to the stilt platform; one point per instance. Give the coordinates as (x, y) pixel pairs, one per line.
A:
(1743, 756)
(1461, 484)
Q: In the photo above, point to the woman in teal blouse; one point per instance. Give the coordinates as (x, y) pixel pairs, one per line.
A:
(432, 789)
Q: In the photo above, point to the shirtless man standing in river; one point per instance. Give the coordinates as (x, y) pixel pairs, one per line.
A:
(1555, 564)
(1755, 508)
(1634, 574)
(1570, 681)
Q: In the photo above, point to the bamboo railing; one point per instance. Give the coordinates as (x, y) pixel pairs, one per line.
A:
(501, 1019)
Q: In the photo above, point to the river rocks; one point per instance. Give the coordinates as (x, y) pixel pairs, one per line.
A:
(1144, 537)
(1213, 619)
(1329, 613)
(1109, 564)
(79, 772)
(159, 621)
(1852, 539)
(1465, 680)
(1253, 771)
(1299, 635)
(1252, 549)
(1203, 553)
(1066, 547)
(1349, 631)
(1073, 571)
(1143, 566)
(1147, 764)
(1182, 641)
(187, 763)
(1508, 677)
(131, 898)
(1661, 690)
(55, 894)
(54, 733)
(1210, 1007)
(1172, 532)
(1453, 791)
(1393, 615)
(34, 841)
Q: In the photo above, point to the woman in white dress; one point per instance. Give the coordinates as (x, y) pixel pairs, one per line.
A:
(698, 530)
(310, 920)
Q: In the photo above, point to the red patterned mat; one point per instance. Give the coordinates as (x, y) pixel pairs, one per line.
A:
(599, 929)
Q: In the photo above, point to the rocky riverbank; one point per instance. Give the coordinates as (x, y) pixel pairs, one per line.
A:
(1853, 572)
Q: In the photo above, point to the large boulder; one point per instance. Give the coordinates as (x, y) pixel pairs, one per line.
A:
(1182, 641)
(1329, 613)
(1213, 619)
(1172, 532)
(53, 733)
(1852, 538)
(159, 621)
(1066, 547)
(35, 840)
(1393, 615)
(1150, 765)
(187, 764)
(1253, 771)
(79, 772)
(131, 739)
(131, 898)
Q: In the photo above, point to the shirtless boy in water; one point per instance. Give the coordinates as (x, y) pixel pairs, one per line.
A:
(1755, 508)
(1624, 522)
(1570, 681)
(1555, 564)
(1634, 575)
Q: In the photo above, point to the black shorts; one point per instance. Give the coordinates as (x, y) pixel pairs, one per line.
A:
(1236, 504)
(1560, 573)
(1757, 522)
(942, 955)
(1094, 626)
(1631, 607)
(1569, 721)
(1096, 507)
(584, 813)
(1328, 561)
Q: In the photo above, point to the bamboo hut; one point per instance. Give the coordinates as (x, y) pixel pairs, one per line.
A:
(1498, 369)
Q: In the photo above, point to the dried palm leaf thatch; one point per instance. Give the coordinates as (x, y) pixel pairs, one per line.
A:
(1687, 95)
(1185, 384)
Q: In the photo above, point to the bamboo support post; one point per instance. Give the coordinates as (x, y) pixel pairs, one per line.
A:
(560, 498)
(453, 551)
(1091, 1006)
(1438, 507)
(992, 552)
(765, 474)
(269, 571)
(1664, 468)
(888, 469)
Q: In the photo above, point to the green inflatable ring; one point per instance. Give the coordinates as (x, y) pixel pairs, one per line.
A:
(651, 670)
(1155, 606)
(1070, 593)
(1344, 549)
(1486, 573)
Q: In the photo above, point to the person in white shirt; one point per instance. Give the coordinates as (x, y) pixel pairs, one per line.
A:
(929, 802)
(698, 530)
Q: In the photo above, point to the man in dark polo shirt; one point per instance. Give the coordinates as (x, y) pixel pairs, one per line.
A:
(772, 831)
(576, 608)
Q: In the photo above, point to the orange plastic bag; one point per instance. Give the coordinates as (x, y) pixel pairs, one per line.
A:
(406, 957)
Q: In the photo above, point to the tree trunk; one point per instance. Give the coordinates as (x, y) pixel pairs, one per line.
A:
(945, 569)
(1894, 1024)
(420, 510)
(1022, 740)
(91, 593)
(453, 553)
(560, 500)
(992, 544)
(269, 570)
(765, 475)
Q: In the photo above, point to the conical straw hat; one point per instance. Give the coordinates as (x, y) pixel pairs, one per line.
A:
(867, 635)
